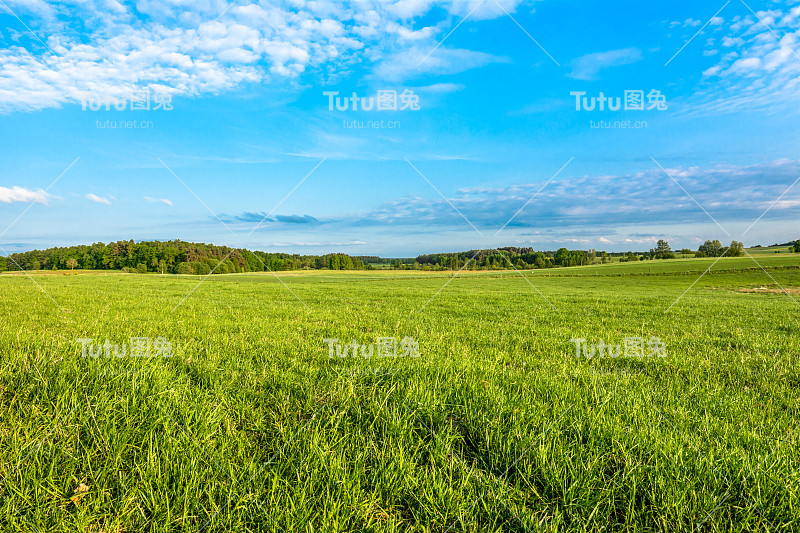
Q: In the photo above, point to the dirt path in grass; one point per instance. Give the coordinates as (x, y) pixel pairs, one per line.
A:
(767, 290)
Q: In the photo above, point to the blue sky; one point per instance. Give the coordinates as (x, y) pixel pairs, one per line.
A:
(250, 135)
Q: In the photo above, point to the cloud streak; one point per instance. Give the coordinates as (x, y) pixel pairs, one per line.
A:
(159, 200)
(593, 205)
(588, 67)
(255, 218)
(98, 199)
(605, 201)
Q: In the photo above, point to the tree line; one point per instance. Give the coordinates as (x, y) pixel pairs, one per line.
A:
(504, 258)
(180, 257)
(528, 258)
(707, 249)
(172, 257)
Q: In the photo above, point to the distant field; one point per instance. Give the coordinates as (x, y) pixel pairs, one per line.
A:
(496, 426)
(678, 266)
(771, 249)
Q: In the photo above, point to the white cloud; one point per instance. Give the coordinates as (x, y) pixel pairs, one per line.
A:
(407, 34)
(418, 61)
(196, 47)
(744, 65)
(98, 199)
(786, 204)
(729, 42)
(726, 191)
(760, 71)
(589, 66)
(740, 23)
(21, 194)
(407, 9)
(440, 88)
(642, 240)
(161, 200)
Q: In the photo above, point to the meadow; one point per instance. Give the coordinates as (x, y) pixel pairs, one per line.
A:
(249, 425)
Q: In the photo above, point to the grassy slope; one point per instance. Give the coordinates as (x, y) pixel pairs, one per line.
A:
(496, 427)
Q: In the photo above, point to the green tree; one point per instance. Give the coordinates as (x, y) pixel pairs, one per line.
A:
(711, 248)
(201, 268)
(797, 247)
(561, 258)
(736, 249)
(662, 250)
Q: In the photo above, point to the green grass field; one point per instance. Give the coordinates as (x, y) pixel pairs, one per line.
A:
(496, 426)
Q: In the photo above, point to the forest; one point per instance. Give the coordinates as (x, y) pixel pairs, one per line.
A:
(180, 257)
(172, 257)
